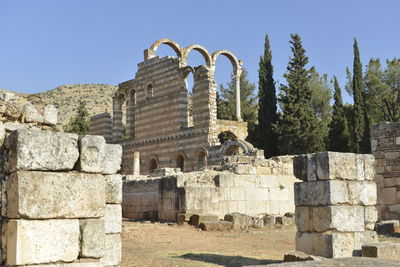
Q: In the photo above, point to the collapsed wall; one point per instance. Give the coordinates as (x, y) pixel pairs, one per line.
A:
(61, 200)
(335, 203)
(247, 185)
(385, 145)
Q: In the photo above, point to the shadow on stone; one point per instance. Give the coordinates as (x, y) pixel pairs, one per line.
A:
(224, 260)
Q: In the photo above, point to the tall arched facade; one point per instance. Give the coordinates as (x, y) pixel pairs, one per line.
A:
(157, 107)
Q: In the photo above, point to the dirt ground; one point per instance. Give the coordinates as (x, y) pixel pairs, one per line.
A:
(159, 244)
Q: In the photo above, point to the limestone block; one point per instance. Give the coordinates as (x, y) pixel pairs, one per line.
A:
(300, 167)
(42, 241)
(362, 238)
(387, 227)
(113, 250)
(369, 164)
(333, 165)
(50, 115)
(41, 150)
(113, 189)
(92, 150)
(311, 167)
(14, 125)
(113, 159)
(340, 218)
(77, 263)
(384, 250)
(370, 216)
(216, 226)
(40, 195)
(2, 133)
(30, 113)
(388, 196)
(303, 220)
(362, 192)
(333, 245)
(360, 166)
(317, 193)
(93, 238)
(197, 219)
(113, 218)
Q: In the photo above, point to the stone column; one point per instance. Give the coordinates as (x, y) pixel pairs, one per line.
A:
(117, 120)
(335, 203)
(136, 163)
(237, 95)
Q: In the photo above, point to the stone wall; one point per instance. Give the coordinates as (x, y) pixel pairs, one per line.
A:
(385, 144)
(61, 200)
(241, 184)
(335, 203)
(101, 124)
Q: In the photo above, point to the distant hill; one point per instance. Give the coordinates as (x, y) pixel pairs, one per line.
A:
(66, 97)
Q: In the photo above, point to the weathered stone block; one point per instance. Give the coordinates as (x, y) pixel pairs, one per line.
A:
(196, 219)
(41, 150)
(370, 216)
(303, 220)
(333, 165)
(97, 156)
(42, 241)
(216, 226)
(30, 114)
(93, 238)
(340, 218)
(317, 193)
(40, 195)
(335, 245)
(300, 167)
(113, 189)
(384, 250)
(362, 238)
(113, 218)
(113, 250)
(50, 115)
(387, 227)
(362, 192)
(369, 164)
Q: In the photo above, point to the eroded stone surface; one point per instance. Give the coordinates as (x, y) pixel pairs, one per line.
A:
(113, 218)
(113, 189)
(50, 115)
(113, 250)
(317, 193)
(41, 150)
(42, 241)
(93, 238)
(39, 195)
(332, 165)
(30, 113)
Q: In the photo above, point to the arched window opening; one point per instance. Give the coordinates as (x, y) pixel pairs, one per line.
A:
(234, 150)
(133, 97)
(163, 48)
(225, 89)
(122, 103)
(201, 160)
(149, 91)
(189, 82)
(152, 165)
(226, 136)
(180, 162)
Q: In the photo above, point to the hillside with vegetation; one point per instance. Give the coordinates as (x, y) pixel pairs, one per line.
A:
(66, 98)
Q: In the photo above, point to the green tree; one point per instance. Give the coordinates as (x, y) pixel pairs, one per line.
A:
(80, 123)
(339, 137)
(248, 102)
(320, 102)
(267, 105)
(382, 94)
(298, 125)
(361, 123)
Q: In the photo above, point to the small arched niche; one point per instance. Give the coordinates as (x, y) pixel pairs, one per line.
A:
(150, 91)
(180, 162)
(226, 136)
(152, 165)
(201, 159)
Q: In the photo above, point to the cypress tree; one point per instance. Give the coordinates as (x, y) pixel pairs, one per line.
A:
(361, 123)
(339, 137)
(267, 105)
(298, 125)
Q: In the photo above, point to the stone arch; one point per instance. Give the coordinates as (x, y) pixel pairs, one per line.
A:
(201, 158)
(132, 95)
(152, 164)
(151, 52)
(246, 147)
(226, 135)
(236, 64)
(180, 161)
(149, 90)
(199, 48)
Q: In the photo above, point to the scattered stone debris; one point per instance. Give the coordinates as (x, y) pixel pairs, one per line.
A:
(300, 256)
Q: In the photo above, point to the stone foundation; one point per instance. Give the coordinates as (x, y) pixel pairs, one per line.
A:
(55, 210)
(335, 203)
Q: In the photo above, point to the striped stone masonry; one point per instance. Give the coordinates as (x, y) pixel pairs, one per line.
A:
(101, 124)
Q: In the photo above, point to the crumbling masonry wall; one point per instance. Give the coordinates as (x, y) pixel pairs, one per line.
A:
(335, 203)
(61, 200)
(385, 144)
(241, 184)
(101, 124)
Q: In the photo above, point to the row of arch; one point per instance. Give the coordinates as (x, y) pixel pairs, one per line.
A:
(210, 60)
(201, 161)
(183, 53)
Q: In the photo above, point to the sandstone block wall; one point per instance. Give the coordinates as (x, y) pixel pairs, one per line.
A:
(101, 124)
(335, 203)
(245, 184)
(385, 144)
(55, 210)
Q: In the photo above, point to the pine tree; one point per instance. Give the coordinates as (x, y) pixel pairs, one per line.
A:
(339, 137)
(80, 123)
(361, 123)
(267, 106)
(298, 125)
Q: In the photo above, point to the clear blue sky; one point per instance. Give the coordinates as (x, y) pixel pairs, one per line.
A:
(46, 43)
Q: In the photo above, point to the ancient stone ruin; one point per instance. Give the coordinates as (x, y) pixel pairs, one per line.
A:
(60, 194)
